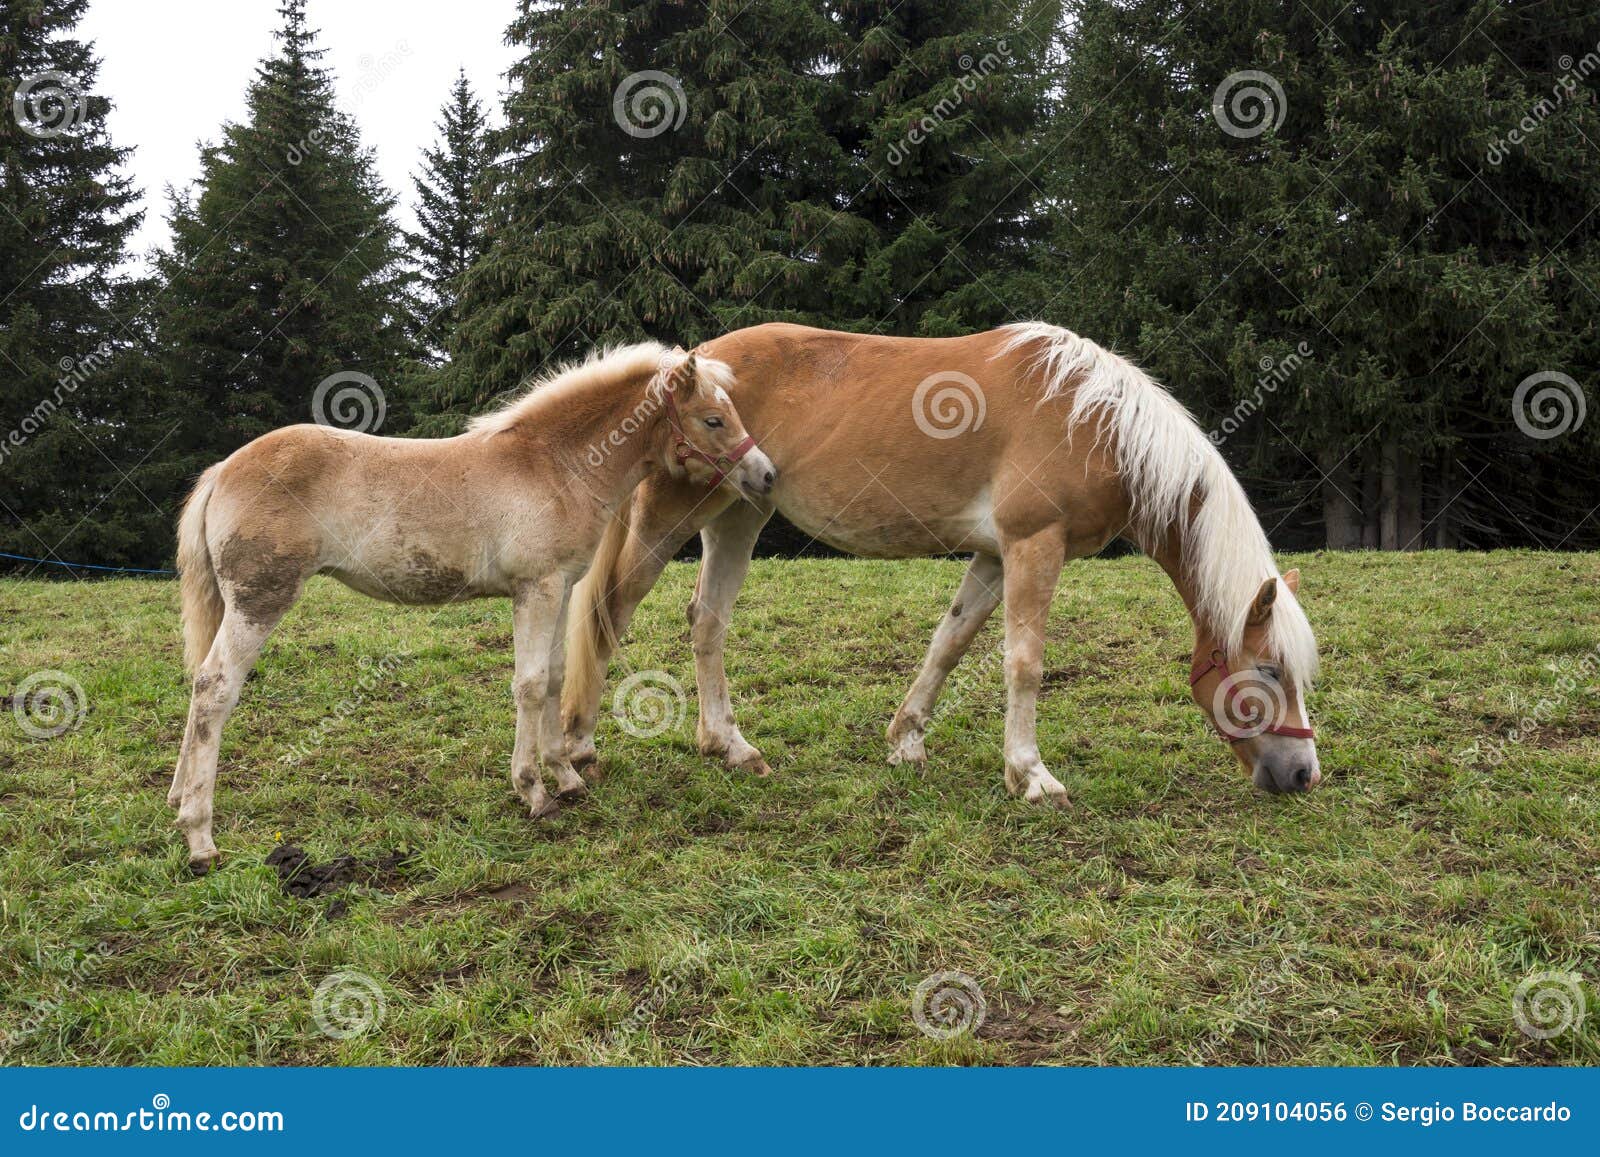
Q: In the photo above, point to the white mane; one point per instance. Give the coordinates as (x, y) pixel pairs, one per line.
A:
(1165, 460)
(643, 358)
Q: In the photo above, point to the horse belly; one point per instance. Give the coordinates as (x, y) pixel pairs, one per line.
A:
(415, 576)
(879, 526)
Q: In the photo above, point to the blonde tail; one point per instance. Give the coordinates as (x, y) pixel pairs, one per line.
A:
(197, 583)
(589, 625)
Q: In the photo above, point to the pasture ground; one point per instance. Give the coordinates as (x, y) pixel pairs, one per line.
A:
(684, 914)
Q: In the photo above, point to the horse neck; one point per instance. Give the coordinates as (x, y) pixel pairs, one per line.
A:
(609, 433)
(1170, 555)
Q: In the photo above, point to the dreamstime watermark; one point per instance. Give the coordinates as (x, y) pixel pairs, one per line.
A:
(47, 704)
(49, 104)
(649, 703)
(658, 994)
(655, 399)
(160, 1117)
(347, 1005)
(1253, 1009)
(948, 1004)
(74, 372)
(75, 968)
(1248, 103)
(357, 402)
(649, 103)
(1548, 404)
(1569, 674)
(377, 69)
(1547, 1004)
(923, 129)
(1244, 704)
(373, 672)
(948, 404)
(1567, 88)
(1274, 373)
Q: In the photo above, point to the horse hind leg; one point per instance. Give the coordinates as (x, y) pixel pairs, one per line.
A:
(974, 602)
(216, 692)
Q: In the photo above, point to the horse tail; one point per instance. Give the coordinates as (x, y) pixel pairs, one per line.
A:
(589, 624)
(197, 583)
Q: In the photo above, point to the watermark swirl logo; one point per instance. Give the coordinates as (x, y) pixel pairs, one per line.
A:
(1547, 1004)
(48, 703)
(49, 104)
(647, 104)
(1247, 104)
(160, 1101)
(947, 1004)
(1244, 705)
(648, 704)
(948, 404)
(357, 403)
(1548, 404)
(348, 1004)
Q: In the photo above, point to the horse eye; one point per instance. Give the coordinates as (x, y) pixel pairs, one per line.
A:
(714, 422)
(1271, 673)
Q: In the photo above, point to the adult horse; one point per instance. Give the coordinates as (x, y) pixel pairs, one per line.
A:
(1027, 446)
(515, 506)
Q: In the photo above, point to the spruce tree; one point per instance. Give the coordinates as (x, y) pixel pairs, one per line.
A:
(1308, 220)
(647, 181)
(80, 418)
(286, 268)
(936, 104)
(450, 190)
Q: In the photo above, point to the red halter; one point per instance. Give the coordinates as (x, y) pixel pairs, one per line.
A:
(684, 449)
(1219, 662)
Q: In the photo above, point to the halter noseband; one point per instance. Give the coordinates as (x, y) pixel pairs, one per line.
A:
(1219, 662)
(683, 449)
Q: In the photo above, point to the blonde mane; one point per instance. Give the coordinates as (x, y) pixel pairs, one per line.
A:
(645, 358)
(1166, 461)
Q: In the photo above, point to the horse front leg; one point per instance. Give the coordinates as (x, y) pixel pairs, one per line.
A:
(662, 516)
(975, 601)
(537, 609)
(1032, 566)
(728, 541)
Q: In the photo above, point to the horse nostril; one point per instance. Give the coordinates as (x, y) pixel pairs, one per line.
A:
(769, 479)
(1302, 778)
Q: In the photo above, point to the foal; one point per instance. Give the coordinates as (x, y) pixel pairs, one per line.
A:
(515, 506)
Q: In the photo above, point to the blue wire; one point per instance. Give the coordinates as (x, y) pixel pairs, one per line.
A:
(84, 565)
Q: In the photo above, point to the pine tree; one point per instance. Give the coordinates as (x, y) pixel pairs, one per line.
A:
(1293, 216)
(648, 183)
(286, 268)
(936, 104)
(450, 189)
(80, 417)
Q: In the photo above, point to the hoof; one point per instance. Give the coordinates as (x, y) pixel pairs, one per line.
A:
(545, 811)
(572, 794)
(902, 753)
(588, 766)
(756, 767)
(198, 868)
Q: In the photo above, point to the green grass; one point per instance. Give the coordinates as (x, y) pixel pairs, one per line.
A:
(685, 914)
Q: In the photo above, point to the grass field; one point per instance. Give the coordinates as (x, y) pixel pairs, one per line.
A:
(684, 914)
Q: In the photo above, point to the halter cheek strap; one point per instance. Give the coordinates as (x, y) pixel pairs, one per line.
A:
(1218, 662)
(683, 449)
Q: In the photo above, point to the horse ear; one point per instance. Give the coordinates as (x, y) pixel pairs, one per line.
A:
(686, 380)
(1292, 581)
(1261, 608)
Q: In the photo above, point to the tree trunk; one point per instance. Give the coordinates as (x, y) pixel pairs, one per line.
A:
(1389, 498)
(1444, 527)
(1369, 502)
(1410, 535)
(1340, 516)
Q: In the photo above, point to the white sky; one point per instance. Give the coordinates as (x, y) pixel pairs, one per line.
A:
(177, 69)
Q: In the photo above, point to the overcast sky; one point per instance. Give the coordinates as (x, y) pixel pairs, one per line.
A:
(177, 69)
